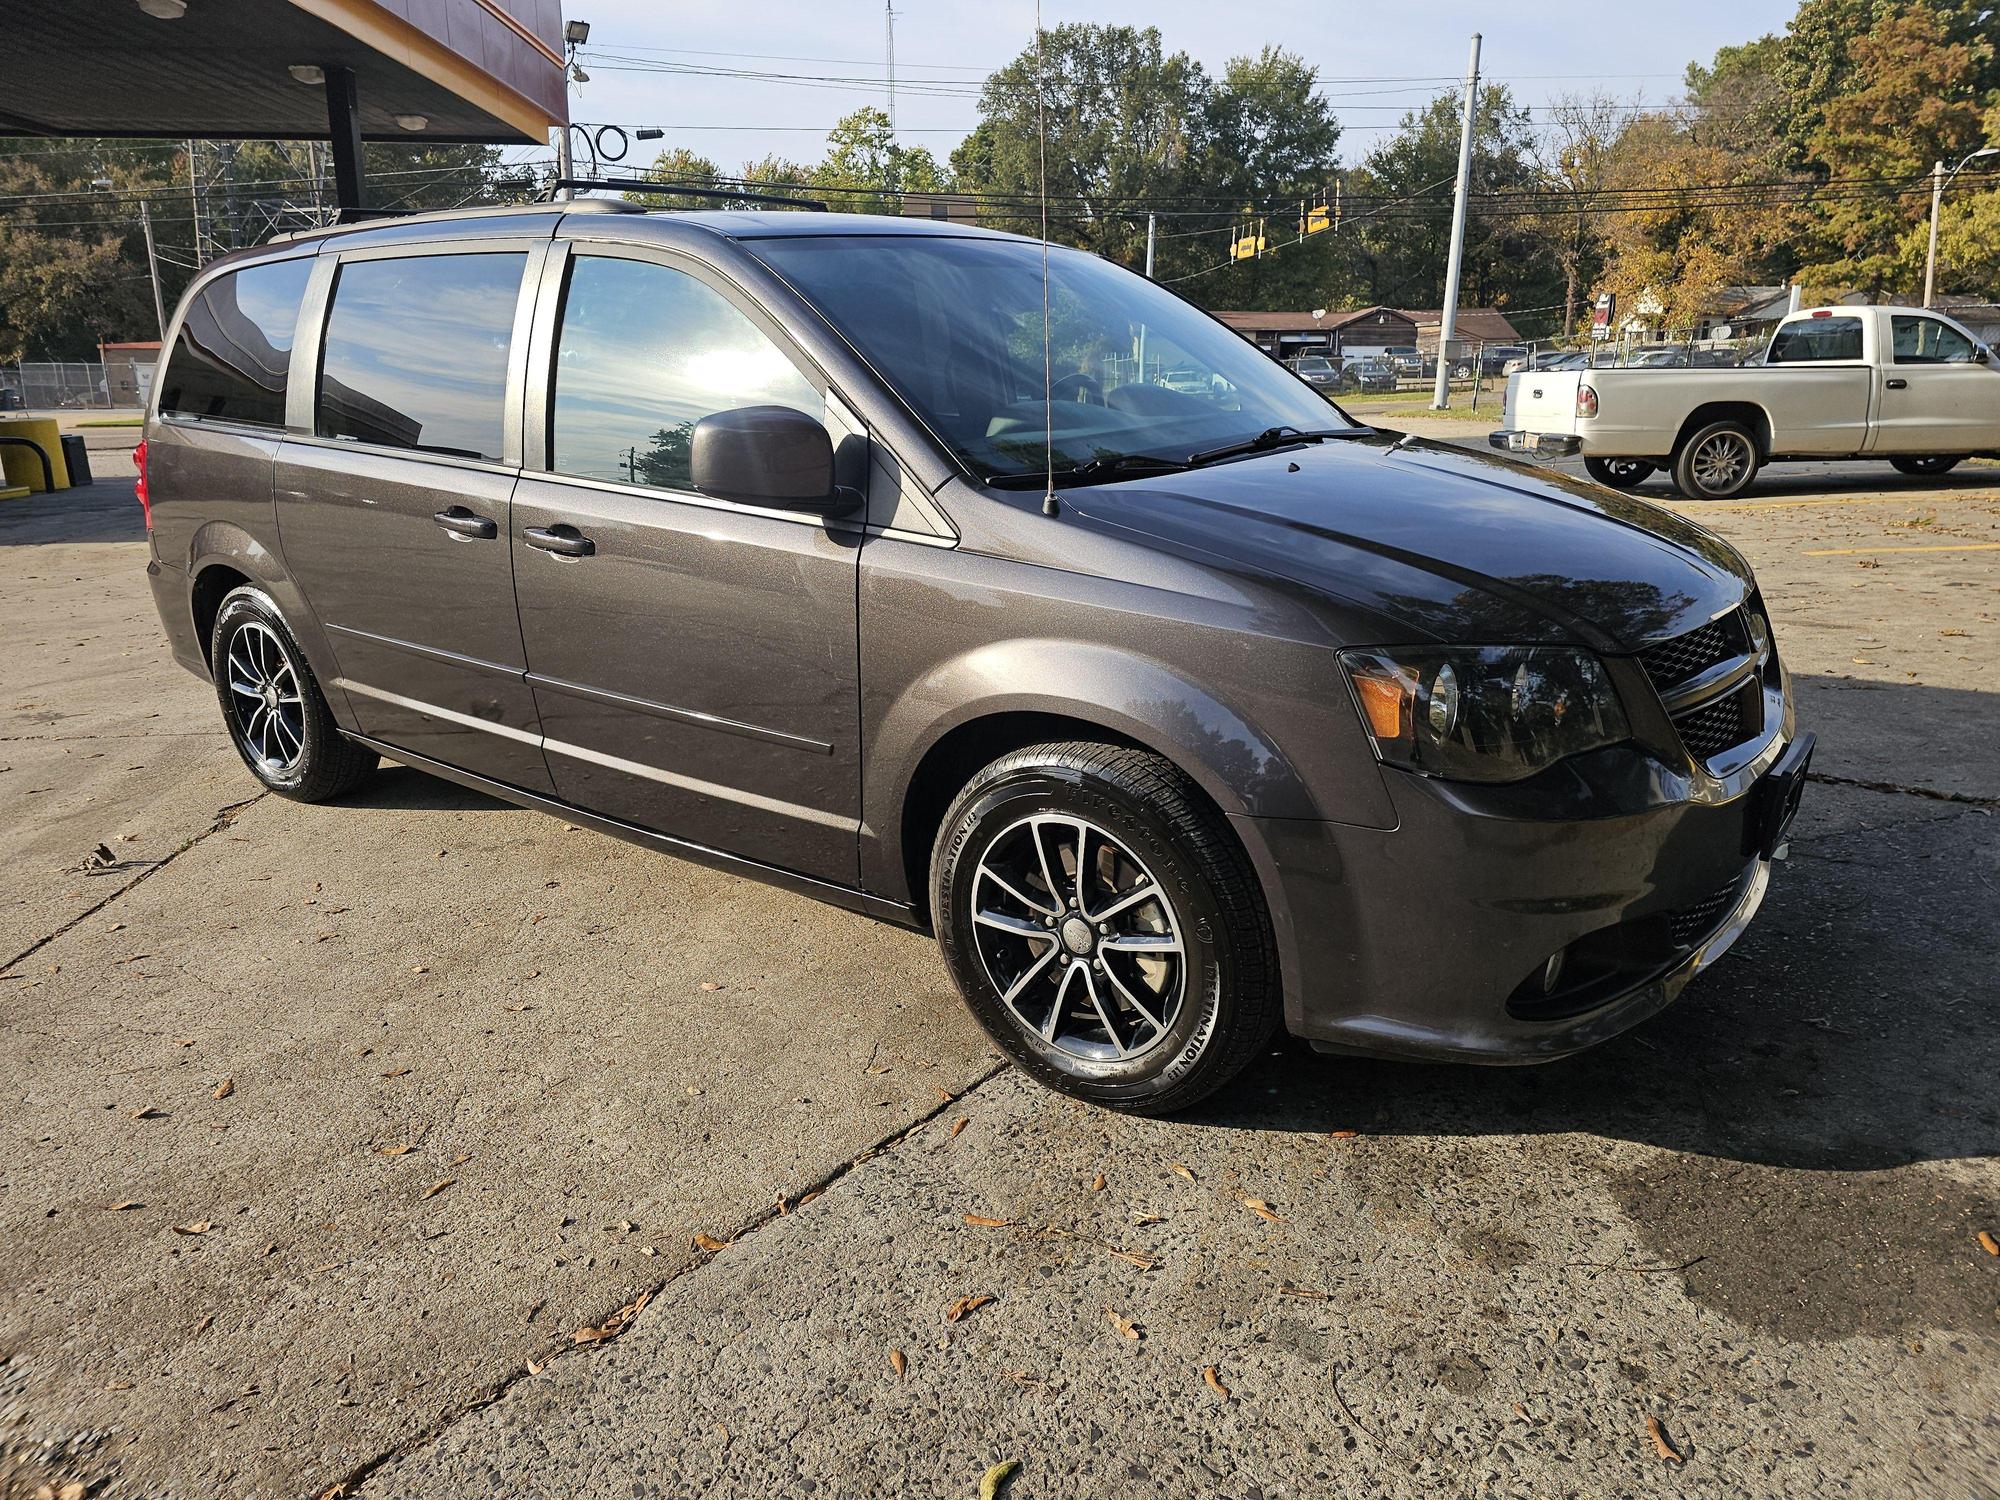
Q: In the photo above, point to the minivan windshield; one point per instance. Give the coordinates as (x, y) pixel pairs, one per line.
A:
(1137, 376)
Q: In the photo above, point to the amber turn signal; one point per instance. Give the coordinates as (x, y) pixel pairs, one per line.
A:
(1383, 700)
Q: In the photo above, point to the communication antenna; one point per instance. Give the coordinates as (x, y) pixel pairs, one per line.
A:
(889, 47)
(1049, 504)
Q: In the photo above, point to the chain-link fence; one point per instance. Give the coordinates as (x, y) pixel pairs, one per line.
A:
(40, 385)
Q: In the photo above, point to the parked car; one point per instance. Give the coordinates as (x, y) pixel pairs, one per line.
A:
(764, 539)
(1542, 359)
(1403, 358)
(1316, 370)
(1680, 357)
(1910, 386)
(1372, 374)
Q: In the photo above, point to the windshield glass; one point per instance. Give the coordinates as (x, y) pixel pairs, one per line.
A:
(955, 325)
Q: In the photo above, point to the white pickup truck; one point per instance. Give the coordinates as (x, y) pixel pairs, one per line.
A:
(1897, 383)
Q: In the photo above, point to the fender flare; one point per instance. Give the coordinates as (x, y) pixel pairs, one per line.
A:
(226, 544)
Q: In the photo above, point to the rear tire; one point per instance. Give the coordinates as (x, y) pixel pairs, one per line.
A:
(1924, 464)
(277, 717)
(1619, 473)
(1717, 462)
(1139, 1002)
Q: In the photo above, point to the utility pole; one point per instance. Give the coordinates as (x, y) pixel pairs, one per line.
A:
(1448, 322)
(153, 265)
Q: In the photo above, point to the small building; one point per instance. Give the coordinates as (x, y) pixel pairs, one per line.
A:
(1471, 328)
(951, 208)
(1361, 330)
(128, 370)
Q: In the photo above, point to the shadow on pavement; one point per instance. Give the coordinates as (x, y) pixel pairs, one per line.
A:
(105, 511)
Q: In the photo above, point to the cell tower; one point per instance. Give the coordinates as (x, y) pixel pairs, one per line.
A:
(889, 49)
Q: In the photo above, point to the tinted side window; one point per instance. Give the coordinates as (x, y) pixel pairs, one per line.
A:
(235, 345)
(1926, 341)
(645, 352)
(1816, 339)
(415, 353)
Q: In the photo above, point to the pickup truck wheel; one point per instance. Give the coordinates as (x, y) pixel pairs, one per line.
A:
(1717, 462)
(1104, 926)
(1926, 463)
(1618, 473)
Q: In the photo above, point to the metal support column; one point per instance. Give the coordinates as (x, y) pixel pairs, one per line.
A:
(343, 124)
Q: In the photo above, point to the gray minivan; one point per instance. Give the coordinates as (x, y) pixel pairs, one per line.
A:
(851, 554)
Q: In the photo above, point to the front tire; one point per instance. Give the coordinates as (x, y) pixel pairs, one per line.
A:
(1717, 462)
(1618, 473)
(277, 717)
(1104, 926)
(1924, 465)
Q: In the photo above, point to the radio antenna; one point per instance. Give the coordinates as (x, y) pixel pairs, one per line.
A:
(1050, 506)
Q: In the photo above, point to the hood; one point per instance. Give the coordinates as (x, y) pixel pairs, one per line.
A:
(1443, 543)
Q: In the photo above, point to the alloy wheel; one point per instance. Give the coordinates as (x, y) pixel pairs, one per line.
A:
(1078, 938)
(264, 689)
(1720, 462)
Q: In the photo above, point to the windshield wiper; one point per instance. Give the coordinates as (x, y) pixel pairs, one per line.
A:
(1093, 471)
(1269, 438)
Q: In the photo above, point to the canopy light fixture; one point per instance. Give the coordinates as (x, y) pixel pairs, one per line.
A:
(307, 73)
(576, 33)
(413, 122)
(164, 10)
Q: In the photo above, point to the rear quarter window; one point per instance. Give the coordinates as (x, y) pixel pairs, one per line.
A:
(232, 356)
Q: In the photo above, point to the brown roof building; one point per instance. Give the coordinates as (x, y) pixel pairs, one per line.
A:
(1285, 334)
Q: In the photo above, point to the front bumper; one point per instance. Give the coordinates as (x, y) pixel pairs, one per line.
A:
(1432, 940)
(1541, 444)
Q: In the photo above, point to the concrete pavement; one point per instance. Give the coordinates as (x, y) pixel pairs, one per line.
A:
(1753, 1220)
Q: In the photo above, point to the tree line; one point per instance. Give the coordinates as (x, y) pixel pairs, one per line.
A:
(1802, 156)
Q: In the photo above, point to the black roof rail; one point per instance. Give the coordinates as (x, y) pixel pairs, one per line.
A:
(680, 190)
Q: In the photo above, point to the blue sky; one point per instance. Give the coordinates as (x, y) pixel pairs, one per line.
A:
(1377, 59)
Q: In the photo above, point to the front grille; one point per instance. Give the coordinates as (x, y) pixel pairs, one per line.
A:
(1691, 924)
(1711, 729)
(1670, 663)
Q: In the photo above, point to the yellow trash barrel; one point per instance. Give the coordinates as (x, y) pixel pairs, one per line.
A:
(20, 466)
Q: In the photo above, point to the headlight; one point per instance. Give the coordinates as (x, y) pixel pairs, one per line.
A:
(1484, 713)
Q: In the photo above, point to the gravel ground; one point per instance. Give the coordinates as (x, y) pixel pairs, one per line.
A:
(1753, 1221)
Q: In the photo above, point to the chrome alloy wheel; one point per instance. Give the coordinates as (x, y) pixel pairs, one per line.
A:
(1628, 470)
(1720, 461)
(1079, 940)
(264, 688)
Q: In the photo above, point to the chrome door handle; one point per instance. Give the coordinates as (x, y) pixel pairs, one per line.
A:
(461, 522)
(564, 541)
(1898, 384)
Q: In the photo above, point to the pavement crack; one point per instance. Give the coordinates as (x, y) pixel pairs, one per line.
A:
(1930, 793)
(224, 817)
(350, 1484)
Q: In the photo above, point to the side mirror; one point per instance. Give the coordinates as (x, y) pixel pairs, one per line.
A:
(766, 455)
(1981, 355)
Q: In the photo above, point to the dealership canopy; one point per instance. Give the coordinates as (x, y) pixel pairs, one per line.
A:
(339, 70)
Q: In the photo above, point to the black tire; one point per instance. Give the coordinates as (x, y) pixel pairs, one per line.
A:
(309, 759)
(1228, 999)
(1717, 462)
(1924, 465)
(1619, 473)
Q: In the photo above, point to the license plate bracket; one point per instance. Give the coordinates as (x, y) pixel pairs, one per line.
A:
(1774, 800)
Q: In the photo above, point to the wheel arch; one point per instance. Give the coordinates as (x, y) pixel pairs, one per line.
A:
(223, 556)
(1749, 413)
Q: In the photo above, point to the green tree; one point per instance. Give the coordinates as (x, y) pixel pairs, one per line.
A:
(677, 164)
(863, 154)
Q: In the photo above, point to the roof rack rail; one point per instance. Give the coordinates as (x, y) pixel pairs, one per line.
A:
(680, 190)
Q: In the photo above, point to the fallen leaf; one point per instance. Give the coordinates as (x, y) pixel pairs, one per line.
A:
(1124, 1325)
(1214, 1379)
(957, 1125)
(944, 1095)
(1023, 1378)
(898, 1363)
(395, 1072)
(1180, 1170)
(1987, 1243)
(805, 1198)
(198, 1226)
(1263, 1210)
(535, 1369)
(1662, 1444)
(963, 1306)
(124, 1203)
(614, 1325)
(400, 1150)
(1149, 1219)
(225, 1088)
(183, 1041)
(1097, 1183)
(709, 1243)
(710, 984)
(119, 1385)
(980, 1221)
(999, 1474)
(203, 1325)
(1343, 1135)
(437, 1187)
(459, 1161)
(1954, 632)
(1302, 1293)
(1133, 1257)
(145, 1112)
(877, 1072)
